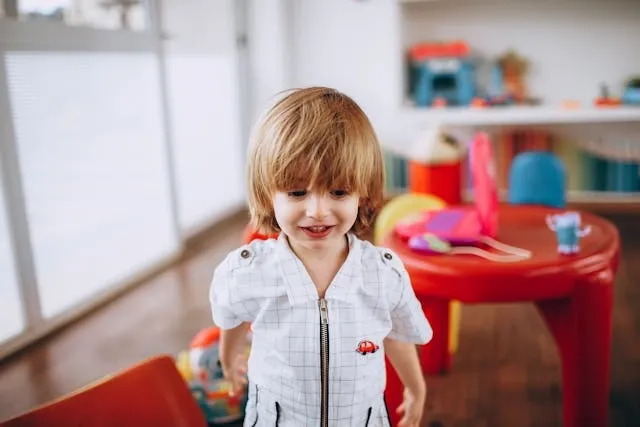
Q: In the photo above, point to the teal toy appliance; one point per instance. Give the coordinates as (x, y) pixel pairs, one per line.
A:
(442, 72)
(631, 94)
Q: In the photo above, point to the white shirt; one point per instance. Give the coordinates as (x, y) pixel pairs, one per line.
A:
(370, 298)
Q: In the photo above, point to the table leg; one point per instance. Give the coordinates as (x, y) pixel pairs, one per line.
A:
(582, 328)
(434, 356)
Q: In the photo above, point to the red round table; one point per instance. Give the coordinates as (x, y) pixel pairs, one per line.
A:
(573, 293)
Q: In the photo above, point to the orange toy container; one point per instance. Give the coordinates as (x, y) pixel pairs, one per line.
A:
(440, 180)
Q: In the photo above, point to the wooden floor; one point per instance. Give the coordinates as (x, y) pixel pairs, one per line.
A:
(506, 373)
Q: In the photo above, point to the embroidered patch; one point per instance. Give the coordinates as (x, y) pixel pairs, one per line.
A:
(366, 347)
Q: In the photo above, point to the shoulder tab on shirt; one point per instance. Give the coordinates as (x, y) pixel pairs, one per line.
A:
(250, 253)
(240, 257)
(390, 259)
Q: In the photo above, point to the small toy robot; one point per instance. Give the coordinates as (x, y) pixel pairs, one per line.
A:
(567, 229)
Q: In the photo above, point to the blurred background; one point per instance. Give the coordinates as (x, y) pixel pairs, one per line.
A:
(124, 126)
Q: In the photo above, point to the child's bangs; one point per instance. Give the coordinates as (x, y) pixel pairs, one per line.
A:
(336, 167)
(297, 174)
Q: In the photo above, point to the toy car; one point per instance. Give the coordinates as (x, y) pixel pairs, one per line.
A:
(367, 347)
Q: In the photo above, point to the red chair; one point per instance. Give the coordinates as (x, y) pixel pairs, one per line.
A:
(250, 234)
(151, 393)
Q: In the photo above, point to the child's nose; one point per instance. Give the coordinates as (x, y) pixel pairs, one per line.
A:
(317, 206)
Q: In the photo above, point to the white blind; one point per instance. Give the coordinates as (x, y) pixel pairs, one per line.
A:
(90, 142)
(204, 111)
(11, 321)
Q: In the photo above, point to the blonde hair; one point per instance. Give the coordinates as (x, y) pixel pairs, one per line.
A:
(314, 138)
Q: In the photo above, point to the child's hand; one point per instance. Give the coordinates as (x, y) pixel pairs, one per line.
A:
(236, 374)
(411, 408)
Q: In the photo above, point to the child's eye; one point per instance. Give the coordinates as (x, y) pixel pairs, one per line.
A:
(339, 193)
(297, 193)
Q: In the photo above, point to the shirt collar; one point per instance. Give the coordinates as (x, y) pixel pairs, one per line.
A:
(300, 287)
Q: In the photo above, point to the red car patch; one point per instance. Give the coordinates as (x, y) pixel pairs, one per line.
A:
(366, 347)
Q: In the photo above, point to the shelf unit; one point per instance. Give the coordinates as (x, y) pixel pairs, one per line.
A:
(573, 47)
(494, 26)
(521, 115)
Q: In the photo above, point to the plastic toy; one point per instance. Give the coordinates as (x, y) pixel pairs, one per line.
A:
(537, 178)
(605, 100)
(567, 229)
(401, 207)
(454, 225)
(430, 243)
(514, 67)
(497, 95)
(570, 104)
(444, 74)
(631, 94)
(200, 367)
(479, 103)
(464, 225)
(435, 231)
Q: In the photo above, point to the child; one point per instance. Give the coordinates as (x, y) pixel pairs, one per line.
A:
(324, 306)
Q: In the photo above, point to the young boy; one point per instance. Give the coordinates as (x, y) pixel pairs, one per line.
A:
(324, 306)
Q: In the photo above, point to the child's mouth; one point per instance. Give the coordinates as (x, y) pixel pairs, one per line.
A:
(318, 231)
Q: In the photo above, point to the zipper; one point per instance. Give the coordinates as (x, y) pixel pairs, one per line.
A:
(368, 416)
(255, 423)
(324, 363)
(386, 409)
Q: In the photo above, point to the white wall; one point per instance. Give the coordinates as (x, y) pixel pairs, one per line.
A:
(199, 26)
(270, 52)
(204, 109)
(352, 46)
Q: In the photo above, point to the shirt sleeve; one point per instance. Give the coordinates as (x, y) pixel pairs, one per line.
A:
(226, 313)
(409, 323)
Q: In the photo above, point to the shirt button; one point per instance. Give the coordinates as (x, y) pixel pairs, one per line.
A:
(244, 253)
(387, 255)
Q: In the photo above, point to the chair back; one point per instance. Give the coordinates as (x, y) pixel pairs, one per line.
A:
(537, 178)
(151, 393)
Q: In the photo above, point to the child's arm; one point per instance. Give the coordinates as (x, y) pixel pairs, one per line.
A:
(232, 359)
(409, 327)
(231, 317)
(404, 359)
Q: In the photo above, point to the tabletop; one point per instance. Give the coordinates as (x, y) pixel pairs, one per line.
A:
(547, 274)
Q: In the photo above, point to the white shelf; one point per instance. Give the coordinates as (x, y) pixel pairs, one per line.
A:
(520, 115)
(598, 197)
(581, 196)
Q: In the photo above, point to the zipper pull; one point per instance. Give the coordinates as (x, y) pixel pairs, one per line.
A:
(324, 315)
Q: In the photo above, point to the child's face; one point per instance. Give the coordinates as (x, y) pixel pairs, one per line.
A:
(315, 220)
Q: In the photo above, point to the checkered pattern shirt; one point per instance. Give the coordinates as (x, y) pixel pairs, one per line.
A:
(369, 299)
